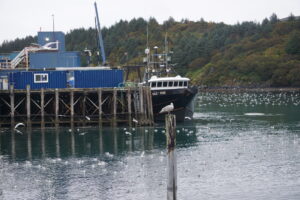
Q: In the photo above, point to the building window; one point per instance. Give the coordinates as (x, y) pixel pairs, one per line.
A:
(40, 78)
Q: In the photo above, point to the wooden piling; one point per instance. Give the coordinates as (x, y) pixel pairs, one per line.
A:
(115, 138)
(73, 142)
(99, 91)
(28, 105)
(170, 121)
(114, 107)
(56, 106)
(12, 106)
(151, 107)
(43, 146)
(100, 140)
(72, 106)
(141, 105)
(29, 146)
(84, 108)
(57, 146)
(42, 108)
(135, 103)
(13, 145)
(129, 106)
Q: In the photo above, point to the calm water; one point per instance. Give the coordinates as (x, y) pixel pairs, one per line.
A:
(240, 146)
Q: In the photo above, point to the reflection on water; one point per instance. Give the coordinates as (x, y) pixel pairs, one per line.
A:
(85, 163)
(239, 146)
(89, 141)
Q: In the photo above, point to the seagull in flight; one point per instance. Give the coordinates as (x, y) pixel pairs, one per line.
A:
(19, 124)
(135, 121)
(167, 108)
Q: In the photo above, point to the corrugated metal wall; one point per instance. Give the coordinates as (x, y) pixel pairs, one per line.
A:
(98, 78)
(56, 79)
(54, 59)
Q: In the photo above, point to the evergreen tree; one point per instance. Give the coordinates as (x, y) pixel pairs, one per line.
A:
(293, 44)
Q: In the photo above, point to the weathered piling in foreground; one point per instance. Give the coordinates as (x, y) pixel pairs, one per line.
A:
(75, 106)
(172, 163)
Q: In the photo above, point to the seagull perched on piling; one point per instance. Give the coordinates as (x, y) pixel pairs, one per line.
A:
(167, 108)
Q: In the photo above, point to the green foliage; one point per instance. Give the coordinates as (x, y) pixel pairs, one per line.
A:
(212, 54)
(17, 44)
(293, 44)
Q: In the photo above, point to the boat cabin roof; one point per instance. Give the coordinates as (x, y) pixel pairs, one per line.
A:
(176, 78)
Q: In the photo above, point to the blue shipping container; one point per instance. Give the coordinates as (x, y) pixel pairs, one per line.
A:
(41, 60)
(38, 79)
(98, 78)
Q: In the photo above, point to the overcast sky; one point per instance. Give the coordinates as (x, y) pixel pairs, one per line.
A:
(19, 18)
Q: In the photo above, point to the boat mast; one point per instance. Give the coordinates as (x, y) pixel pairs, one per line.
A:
(166, 53)
(147, 52)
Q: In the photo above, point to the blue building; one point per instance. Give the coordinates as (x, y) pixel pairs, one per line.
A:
(51, 79)
(44, 57)
(59, 58)
(51, 66)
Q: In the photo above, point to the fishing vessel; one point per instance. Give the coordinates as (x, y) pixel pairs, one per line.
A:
(167, 86)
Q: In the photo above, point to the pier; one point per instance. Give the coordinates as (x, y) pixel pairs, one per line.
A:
(76, 106)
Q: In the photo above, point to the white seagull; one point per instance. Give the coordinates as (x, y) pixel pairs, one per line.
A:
(135, 121)
(127, 133)
(83, 133)
(167, 108)
(19, 124)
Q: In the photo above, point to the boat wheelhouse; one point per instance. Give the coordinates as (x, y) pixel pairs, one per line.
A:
(168, 83)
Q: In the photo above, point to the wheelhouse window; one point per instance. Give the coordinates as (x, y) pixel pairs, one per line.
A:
(185, 83)
(165, 84)
(171, 84)
(41, 78)
(153, 84)
(159, 84)
(175, 84)
(180, 83)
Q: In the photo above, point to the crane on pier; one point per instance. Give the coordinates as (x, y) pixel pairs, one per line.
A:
(100, 39)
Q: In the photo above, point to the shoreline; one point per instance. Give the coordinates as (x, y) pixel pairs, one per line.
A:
(236, 89)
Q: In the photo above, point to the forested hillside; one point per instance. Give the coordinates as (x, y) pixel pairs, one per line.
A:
(211, 54)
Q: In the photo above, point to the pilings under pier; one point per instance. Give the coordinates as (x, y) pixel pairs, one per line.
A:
(76, 107)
